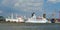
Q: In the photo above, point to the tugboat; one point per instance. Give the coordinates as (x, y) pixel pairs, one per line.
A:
(34, 19)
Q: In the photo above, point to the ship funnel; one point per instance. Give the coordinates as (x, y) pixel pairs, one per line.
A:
(44, 15)
(32, 14)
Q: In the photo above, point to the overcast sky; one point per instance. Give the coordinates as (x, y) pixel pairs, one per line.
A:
(26, 7)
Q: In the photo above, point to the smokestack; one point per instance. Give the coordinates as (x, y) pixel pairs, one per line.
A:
(32, 14)
(44, 15)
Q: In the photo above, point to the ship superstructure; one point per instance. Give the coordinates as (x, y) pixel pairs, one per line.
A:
(34, 19)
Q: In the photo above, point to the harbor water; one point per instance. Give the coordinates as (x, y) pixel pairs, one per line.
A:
(29, 26)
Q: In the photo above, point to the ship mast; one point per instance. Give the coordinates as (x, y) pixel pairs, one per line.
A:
(53, 15)
(12, 16)
(16, 15)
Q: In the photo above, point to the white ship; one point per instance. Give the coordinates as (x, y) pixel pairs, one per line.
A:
(33, 19)
(17, 19)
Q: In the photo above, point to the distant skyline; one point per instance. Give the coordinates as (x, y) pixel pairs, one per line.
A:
(26, 7)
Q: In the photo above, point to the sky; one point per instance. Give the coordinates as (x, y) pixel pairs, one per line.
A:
(26, 7)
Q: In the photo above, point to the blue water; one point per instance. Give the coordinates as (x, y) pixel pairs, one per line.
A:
(14, 26)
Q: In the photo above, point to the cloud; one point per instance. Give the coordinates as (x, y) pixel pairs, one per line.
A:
(29, 5)
(8, 2)
(53, 1)
(1, 11)
(5, 2)
(24, 5)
